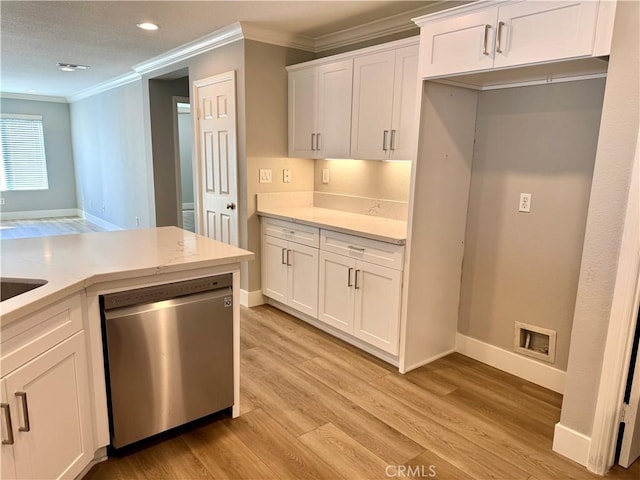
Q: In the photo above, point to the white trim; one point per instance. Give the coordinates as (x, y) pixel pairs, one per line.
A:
(34, 214)
(188, 206)
(104, 86)
(20, 116)
(455, 11)
(617, 352)
(222, 77)
(217, 39)
(571, 444)
(100, 222)
(407, 368)
(283, 39)
(251, 299)
(33, 97)
(526, 368)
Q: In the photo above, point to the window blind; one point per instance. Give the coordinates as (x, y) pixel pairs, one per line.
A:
(24, 165)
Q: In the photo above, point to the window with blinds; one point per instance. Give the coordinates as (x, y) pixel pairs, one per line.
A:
(24, 165)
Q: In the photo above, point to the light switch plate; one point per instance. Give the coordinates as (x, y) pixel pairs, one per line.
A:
(525, 202)
(326, 176)
(286, 175)
(265, 175)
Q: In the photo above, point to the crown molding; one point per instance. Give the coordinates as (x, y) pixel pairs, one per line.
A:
(282, 39)
(33, 97)
(104, 86)
(379, 28)
(217, 39)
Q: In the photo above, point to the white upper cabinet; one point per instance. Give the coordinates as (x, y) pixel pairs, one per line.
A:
(320, 110)
(384, 99)
(490, 35)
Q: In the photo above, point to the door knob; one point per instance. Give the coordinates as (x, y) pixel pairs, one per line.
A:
(231, 206)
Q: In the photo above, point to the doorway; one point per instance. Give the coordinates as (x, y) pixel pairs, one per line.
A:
(183, 132)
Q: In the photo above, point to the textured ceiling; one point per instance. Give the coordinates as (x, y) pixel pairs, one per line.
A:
(37, 35)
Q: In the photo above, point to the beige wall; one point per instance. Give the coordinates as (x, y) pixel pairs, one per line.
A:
(524, 266)
(605, 221)
(365, 178)
(266, 134)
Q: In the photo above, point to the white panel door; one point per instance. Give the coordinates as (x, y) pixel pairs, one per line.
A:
(372, 106)
(530, 32)
(218, 192)
(336, 291)
(460, 44)
(630, 445)
(8, 439)
(335, 85)
(274, 268)
(303, 278)
(405, 98)
(303, 87)
(49, 399)
(377, 313)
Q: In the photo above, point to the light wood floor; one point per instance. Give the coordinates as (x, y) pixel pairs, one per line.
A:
(44, 227)
(314, 407)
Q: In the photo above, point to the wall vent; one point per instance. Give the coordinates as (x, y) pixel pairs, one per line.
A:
(536, 342)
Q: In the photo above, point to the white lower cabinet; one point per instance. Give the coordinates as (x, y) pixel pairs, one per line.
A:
(290, 269)
(362, 299)
(46, 415)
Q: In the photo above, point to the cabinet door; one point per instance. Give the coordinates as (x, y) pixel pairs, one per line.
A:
(52, 392)
(8, 466)
(335, 84)
(459, 44)
(336, 292)
(543, 31)
(303, 87)
(372, 106)
(405, 98)
(303, 279)
(377, 313)
(274, 268)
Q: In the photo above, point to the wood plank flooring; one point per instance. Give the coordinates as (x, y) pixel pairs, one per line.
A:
(44, 227)
(313, 407)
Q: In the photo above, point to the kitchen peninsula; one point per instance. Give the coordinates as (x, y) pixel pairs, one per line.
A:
(52, 341)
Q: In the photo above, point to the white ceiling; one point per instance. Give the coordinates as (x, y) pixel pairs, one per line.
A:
(103, 34)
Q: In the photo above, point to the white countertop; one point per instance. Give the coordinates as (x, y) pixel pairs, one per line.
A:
(376, 228)
(71, 263)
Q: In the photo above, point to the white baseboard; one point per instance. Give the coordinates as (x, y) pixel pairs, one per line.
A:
(523, 367)
(413, 366)
(33, 214)
(100, 222)
(571, 444)
(251, 299)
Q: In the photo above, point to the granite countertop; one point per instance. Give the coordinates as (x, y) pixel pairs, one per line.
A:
(376, 228)
(71, 263)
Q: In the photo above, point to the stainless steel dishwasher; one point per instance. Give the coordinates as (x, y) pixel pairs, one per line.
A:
(168, 355)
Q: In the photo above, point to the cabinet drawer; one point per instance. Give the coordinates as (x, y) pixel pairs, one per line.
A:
(360, 248)
(27, 338)
(293, 232)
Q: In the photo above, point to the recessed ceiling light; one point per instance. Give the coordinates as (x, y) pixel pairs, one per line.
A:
(32, 91)
(147, 26)
(71, 67)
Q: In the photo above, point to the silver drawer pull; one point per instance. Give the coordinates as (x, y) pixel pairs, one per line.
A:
(485, 42)
(349, 284)
(499, 35)
(358, 249)
(7, 419)
(284, 262)
(357, 285)
(25, 412)
(288, 258)
(313, 141)
(288, 232)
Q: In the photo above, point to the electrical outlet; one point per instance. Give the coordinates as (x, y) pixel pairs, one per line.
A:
(326, 176)
(265, 175)
(137, 221)
(525, 202)
(104, 208)
(1, 201)
(286, 175)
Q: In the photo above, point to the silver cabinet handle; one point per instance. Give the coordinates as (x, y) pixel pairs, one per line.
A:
(282, 256)
(485, 43)
(349, 284)
(25, 412)
(7, 419)
(384, 140)
(317, 141)
(393, 140)
(313, 140)
(358, 249)
(357, 285)
(288, 258)
(499, 35)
